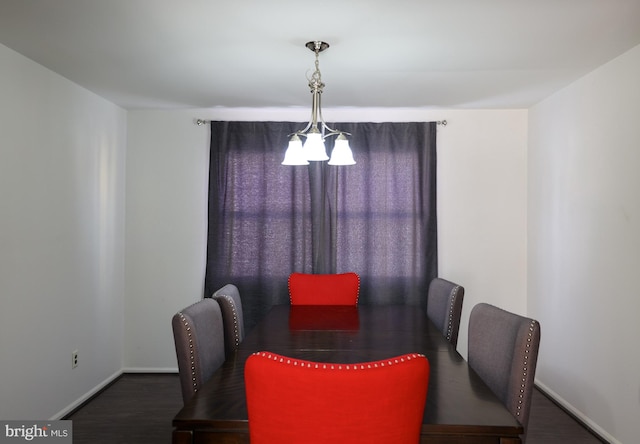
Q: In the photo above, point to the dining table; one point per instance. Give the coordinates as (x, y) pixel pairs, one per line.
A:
(460, 407)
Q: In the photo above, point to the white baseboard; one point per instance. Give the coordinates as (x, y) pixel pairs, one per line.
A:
(595, 428)
(78, 402)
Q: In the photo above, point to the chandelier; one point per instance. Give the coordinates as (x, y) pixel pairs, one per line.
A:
(316, 130)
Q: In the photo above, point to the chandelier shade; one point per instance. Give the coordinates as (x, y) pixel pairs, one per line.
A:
(295, 154)
(341, 154)
(314, 148)
(317, 130)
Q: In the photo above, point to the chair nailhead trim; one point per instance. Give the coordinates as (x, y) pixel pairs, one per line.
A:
(525, 365)
(236, 332)
(452, 298)
(357, 366)
(192, 358)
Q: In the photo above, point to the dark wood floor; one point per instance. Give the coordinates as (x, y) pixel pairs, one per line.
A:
(138, 409)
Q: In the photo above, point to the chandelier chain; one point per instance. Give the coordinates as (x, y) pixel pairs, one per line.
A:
(315, 82)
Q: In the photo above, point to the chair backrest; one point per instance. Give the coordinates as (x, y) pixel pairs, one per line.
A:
(199, 340)
(324, 289)
(444, 307)
(291, 400)
(503, 350)
(229, 299)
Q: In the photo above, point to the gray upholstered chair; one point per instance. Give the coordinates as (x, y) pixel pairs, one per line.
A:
(503, 350)
(229, 299)
(199, 338)
(444, 307)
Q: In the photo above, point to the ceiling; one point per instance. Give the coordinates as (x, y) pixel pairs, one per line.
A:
(172, 54)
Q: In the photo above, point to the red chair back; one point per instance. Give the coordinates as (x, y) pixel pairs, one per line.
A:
(324, 289)
(296, 401)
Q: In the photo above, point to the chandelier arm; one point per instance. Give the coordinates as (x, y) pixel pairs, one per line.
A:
(302, 132)
(333, 132)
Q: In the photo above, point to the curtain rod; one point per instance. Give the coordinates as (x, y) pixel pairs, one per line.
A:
(201, 122)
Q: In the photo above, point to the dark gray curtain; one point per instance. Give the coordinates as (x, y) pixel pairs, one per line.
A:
(377, 218)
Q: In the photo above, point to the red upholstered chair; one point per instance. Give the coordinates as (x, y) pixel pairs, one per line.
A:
(324, 289)
(296, 401)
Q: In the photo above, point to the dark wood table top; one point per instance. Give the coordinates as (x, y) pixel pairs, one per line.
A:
(460, 407)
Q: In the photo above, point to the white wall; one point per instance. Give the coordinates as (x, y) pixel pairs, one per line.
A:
(481, 198)
(482, 209)
(584, 245)
(167, 188)
(61, 240)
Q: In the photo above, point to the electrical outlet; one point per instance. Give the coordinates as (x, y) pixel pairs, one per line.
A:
(74, 357)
